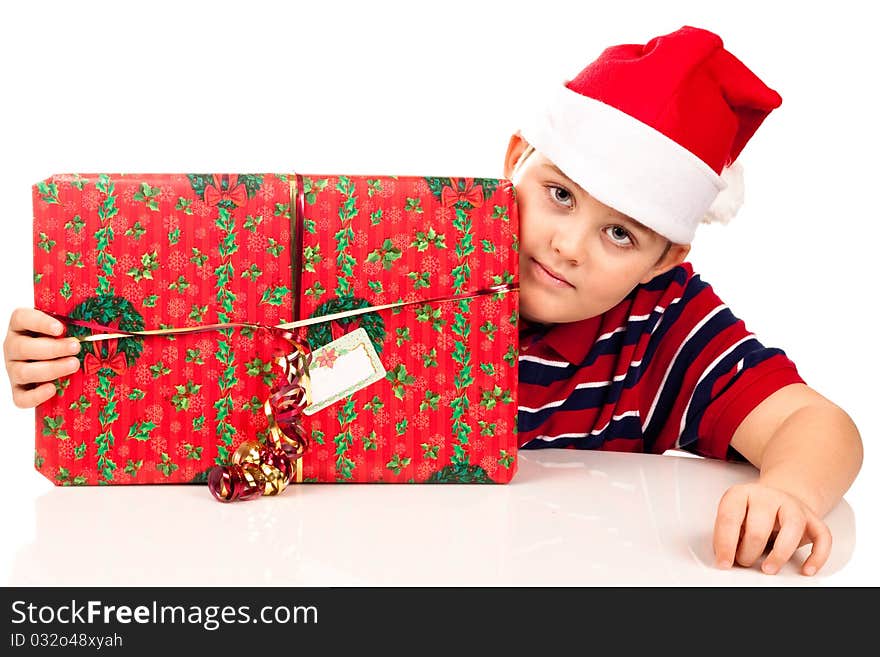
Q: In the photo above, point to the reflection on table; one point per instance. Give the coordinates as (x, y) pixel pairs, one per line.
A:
(568, 518)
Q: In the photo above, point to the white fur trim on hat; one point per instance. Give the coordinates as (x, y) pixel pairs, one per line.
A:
(730, 199)
(625, 163)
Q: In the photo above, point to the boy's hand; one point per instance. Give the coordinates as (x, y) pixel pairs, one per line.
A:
(34, 360)
(755, 517)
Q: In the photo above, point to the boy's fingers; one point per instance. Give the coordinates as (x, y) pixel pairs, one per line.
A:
(728, 521)
(758, 527)
(788, 539)
(28, 398)
(22, 373)
(821, 546)
(30, 319)
(25, 348)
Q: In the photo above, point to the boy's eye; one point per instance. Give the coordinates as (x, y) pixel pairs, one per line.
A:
(619, 235)
(560, 195)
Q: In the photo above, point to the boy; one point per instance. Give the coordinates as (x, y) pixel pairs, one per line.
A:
(622, 346)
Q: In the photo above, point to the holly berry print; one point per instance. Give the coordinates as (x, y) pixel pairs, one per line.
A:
(166, 251)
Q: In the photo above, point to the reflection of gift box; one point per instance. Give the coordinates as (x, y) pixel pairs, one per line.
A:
(164, 251)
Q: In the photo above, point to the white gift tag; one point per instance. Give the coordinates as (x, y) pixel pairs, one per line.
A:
(341, 368)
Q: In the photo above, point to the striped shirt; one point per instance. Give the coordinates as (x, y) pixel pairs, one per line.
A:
(669, 367)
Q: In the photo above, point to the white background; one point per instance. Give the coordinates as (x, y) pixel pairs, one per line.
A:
(436, 89)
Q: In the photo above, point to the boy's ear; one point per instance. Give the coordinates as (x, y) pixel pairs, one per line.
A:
(515, 148)
(673, 257)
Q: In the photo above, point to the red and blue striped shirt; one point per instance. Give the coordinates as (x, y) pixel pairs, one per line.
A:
(669, 367)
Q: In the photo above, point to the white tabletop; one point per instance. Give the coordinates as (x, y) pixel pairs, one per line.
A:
(568, 518)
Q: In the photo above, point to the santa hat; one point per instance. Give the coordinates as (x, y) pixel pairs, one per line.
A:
(654, 130)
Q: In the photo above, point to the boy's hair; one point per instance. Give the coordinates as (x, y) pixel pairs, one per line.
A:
(520, 161)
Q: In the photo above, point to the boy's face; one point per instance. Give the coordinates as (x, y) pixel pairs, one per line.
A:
(578, 256)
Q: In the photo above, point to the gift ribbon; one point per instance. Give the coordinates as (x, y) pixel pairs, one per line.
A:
(494, 289)
(297, 192)
(258, 469)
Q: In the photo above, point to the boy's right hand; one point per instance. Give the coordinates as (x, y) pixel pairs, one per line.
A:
(36, 355)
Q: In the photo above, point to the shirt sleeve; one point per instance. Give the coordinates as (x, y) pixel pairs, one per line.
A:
(709, 372)
(747, 386)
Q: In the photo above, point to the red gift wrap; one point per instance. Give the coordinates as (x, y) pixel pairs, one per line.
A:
(141, 252)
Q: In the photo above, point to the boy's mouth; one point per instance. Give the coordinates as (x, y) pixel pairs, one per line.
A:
(544, 273)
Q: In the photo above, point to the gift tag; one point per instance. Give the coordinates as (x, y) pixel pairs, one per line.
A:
(341, 368)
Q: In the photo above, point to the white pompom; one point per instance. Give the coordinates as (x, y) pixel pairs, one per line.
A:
(729, 199)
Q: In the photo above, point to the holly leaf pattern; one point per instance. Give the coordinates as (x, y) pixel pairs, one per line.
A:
(169, 251)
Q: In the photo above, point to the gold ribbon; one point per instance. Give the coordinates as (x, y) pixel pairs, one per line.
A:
(495, 289)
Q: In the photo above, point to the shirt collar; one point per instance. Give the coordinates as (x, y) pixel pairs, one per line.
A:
(572, 340)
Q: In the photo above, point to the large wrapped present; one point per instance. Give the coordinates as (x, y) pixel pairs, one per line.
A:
(414, 380)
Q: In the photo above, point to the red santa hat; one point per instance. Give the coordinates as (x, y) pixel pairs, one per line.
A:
(654, 130)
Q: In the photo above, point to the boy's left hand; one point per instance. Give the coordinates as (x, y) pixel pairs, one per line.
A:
(754, 517)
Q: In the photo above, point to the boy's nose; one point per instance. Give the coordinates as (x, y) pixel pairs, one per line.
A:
(570, 243)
